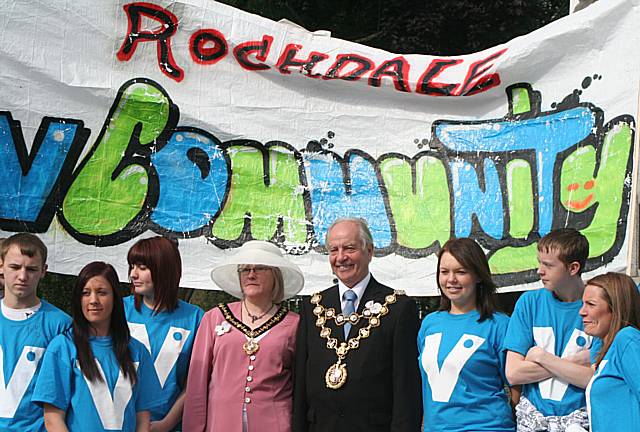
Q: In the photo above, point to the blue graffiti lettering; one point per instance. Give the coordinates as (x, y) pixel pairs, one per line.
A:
(28, 180)
(547, 136)
(193, 175)
(356, 192)
(469, 199)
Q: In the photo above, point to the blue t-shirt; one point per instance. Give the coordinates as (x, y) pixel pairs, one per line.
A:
(613, 394)
(109, 405)
(539, 319)
(168, 336)
(22, 345)
(462, 365)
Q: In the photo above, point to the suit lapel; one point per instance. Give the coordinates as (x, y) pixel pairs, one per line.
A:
(331, 299)
(373, 292)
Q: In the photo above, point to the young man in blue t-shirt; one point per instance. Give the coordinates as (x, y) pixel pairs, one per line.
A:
(547, 348)
(27, 325)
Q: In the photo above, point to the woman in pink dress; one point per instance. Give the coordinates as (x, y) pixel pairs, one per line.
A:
(240, 377)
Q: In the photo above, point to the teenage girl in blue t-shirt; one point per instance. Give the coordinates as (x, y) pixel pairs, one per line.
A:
(460, 347)
(611, 311)
(164, 324)
(95, 377)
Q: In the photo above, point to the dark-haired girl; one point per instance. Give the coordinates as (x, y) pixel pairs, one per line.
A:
(164, 324)
(460, 347)
(95, 377)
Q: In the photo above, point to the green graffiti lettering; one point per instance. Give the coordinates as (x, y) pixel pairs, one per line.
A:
(577, 192)
(607, 188)
(512, 259)
(520, 198)
(521, 100)
(265, 198)
(581, 190)
(108, 194)
(419, 200)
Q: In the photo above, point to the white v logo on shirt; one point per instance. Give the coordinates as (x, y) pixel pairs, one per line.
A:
(11, 393)
(169, 351)
(587, 391)
(544, 337)
(110, 408)
(443, 380)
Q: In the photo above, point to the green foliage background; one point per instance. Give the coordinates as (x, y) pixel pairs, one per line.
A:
(443, 27)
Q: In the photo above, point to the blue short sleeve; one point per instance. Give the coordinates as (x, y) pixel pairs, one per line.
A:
(630, 366)
(519, 337)
(53, 384)
(502, 327)
(199, 315)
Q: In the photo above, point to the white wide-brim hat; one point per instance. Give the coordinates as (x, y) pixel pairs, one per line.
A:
(257, 252)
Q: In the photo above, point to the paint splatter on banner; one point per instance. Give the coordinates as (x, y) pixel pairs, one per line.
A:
(206, 124)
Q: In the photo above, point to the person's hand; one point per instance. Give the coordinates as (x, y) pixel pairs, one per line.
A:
(535, 354)
(159, 426)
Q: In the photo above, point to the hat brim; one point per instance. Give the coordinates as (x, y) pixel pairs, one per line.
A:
(226, 275)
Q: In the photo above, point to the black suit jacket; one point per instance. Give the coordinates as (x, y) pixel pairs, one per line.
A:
(383, 389)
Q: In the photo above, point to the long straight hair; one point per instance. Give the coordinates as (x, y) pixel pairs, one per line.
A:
(162, 258)
(621, 294)
(471, 256)
(118, 328)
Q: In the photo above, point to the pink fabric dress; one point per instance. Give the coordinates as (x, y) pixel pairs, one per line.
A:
(222, 377)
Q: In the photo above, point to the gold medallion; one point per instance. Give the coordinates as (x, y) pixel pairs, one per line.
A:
(336, 375)
(251, 347)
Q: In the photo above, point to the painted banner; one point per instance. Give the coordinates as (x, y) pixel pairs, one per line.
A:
(200, 122)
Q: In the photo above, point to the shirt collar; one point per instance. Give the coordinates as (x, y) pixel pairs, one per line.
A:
(357, 288)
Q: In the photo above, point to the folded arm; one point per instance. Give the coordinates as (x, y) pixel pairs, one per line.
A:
(572, 370)
(522, 371)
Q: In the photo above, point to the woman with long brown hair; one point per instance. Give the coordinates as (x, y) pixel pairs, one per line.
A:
(165, 324)
(461, 355)
(95, 377)
(611, 311)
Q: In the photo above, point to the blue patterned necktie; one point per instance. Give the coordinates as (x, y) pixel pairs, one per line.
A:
(350, 307)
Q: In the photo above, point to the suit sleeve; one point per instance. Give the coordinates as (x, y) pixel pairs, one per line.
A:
(407, 391)
(300, 406)
(194, 417)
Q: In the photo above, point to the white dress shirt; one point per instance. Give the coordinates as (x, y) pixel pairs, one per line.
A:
(357, 288)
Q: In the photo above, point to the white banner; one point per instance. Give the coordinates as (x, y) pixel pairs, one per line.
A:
(201, 122)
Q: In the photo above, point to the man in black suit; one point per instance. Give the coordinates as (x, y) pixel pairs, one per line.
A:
(368, 380)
